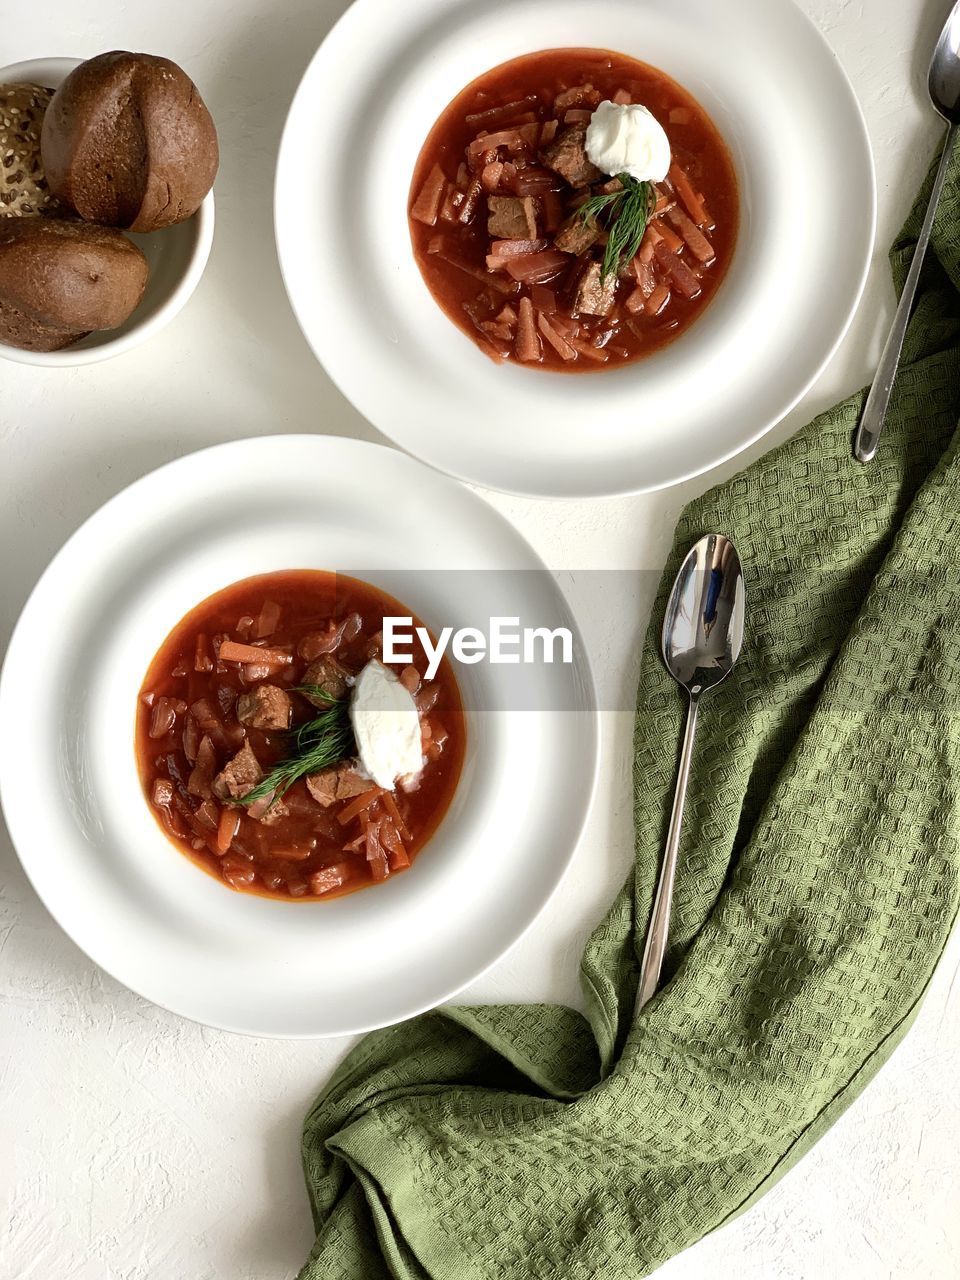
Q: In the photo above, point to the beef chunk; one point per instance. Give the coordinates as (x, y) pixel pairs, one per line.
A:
(567, 155)
(512, 218)
(265, 707)
(268, 811)
(594, 298)
(339, 782)
(576, 235)
(323, 786)
(238, 777)
(351, 783)
(328, 674)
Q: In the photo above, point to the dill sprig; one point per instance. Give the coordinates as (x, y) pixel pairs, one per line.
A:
(624, 215)
(315, 745)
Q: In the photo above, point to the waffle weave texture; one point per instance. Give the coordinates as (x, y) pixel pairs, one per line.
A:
(819, 879)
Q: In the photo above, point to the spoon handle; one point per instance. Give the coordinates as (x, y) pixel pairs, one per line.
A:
(875, 410)
(656, 944)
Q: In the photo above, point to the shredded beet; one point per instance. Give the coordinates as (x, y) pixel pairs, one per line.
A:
(503, 178)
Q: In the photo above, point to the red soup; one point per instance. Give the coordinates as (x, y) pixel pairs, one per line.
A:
(511, 222)
(245, 744)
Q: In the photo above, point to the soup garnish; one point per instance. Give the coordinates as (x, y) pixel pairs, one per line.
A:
(278, 751)
(573, 210)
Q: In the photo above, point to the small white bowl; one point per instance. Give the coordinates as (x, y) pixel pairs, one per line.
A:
(177, 257)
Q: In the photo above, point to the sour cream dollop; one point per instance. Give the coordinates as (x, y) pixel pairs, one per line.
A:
(386, 725)
(628, 139)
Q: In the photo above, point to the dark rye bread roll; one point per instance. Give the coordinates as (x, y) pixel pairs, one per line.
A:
(127, 142)
(61, 280)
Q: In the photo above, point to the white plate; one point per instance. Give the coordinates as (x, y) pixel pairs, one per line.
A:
(72, 798)
(808, 204)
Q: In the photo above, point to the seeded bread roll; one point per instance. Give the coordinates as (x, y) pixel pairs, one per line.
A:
(61, 280)
(23, 187)
(127, 142)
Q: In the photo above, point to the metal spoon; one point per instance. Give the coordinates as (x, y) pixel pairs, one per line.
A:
(702, 636)
(943, 83)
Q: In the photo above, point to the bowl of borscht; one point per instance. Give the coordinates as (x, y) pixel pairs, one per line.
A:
(574, 250)
(268, 780)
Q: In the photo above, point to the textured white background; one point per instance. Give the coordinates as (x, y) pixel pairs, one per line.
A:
(137, 1145)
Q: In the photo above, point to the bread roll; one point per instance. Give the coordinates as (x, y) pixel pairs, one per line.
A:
(61, 280)
(127, 142)
(23, 187)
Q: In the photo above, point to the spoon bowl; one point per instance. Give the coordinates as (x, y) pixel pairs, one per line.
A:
(944, 78)
(703, 625)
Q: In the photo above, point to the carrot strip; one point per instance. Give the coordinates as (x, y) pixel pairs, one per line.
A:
(399, 858)
(397, 855)
(682, 277)
(376, 854)
(669, 237)
(657, 300)
(231, 651)
(591, 353)
(689, 197)
(202, 660)
(528, 343)
(427, 204)
(377, 862)
(358, 806)
(636, 301)
(227, 828)
(390, 804)
(697, 242)
(566, 326)
(644, 273)
(560, 345)
(516, 248)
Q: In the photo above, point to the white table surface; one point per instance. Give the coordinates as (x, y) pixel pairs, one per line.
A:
(137, 1145)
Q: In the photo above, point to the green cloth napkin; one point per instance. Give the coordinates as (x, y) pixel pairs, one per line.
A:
(818, 883)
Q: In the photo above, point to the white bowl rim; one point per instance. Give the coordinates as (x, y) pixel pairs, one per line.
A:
(573, 489)
(12, 813)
